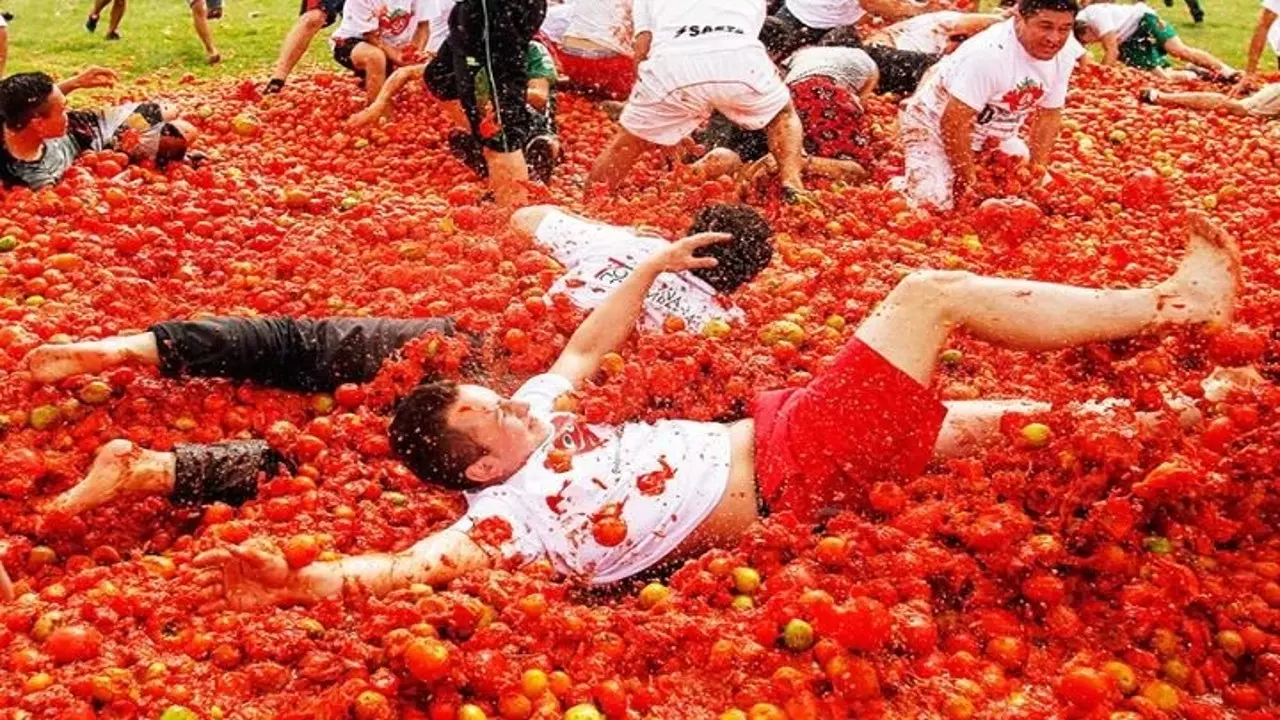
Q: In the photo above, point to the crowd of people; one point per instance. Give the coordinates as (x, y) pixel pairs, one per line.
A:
(780, 86)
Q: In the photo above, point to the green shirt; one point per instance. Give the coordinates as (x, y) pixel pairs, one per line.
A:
(538, 66)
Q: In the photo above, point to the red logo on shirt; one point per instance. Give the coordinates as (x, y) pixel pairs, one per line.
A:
(576, 439)
(1024, 96)
(393, 22)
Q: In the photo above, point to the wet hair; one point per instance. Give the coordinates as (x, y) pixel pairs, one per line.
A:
(22, 96)
(1081, 29)
(741, 258)
(422, 439)
(1027, 8)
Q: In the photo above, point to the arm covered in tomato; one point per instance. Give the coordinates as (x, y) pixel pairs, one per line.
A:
(257, 574)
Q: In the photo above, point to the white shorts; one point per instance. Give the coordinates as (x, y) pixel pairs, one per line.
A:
(1265, 102)
(929, 180)
(674, 94)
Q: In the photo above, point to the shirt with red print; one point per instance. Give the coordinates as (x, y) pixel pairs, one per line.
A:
(394, 21)
(652, 484)
(994, 75)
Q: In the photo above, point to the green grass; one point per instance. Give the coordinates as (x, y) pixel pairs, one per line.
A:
(159, 41)
(158, 38)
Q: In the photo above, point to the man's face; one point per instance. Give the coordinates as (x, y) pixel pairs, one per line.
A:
(1044, 32)
(504, 428)
(51, 122)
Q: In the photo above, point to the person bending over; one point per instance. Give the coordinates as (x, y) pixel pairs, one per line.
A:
(313, 16)
(829, 86)
(598, 258)
(1135, 35)
(542, 151)
(603, 503)
(377, 36)
(42, 138)
(696, 58)
(984, 92)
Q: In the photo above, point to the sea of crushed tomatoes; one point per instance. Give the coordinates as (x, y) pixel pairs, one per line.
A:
(1093, 567)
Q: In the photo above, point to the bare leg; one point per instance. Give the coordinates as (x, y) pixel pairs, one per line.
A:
(1201, 101)
(508, 176)
(845, 170)
(910, 326)
(720, 161)
(1183, 51)
(297, 41)
(1175, 76)
(616, 161)
(119, 468)
(373, 62)
(786, 143)
(971, 424)
(117, 15)
(200, 18)
(382, 104)
(91, 23)
(51, 363)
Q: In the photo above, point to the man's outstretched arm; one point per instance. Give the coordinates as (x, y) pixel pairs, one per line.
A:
(610, 324)
(256, 574)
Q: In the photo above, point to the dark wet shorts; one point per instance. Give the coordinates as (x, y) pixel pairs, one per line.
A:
(227, 472)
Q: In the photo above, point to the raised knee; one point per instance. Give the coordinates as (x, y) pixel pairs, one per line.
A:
(527, 219)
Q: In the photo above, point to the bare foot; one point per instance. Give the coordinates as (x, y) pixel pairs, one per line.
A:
(51, 363)
(112, 474)
(1203, 288)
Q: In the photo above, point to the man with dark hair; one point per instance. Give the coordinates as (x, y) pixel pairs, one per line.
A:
(603, 503)
(599, 257)
(42, 138)
(983, 93)
(314, 16)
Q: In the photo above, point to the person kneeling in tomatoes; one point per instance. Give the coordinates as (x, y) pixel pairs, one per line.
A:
(321, 355)
(604, 503)
(42, 138)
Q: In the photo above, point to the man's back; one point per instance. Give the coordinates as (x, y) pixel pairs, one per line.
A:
(680, 26)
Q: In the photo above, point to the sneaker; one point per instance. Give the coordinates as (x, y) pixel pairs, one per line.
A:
(274, 86)
(1148, 96)
(91, 24)
(468, 152)
(8, 16)
(113, 35)
(539, 154)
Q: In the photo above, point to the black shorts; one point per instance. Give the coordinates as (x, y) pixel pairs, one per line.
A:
(342, 49)
(332, 9)
(307, 355)
(227, 472)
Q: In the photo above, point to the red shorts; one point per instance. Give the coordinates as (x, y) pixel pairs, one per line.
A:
(610, 76)
(860, 422)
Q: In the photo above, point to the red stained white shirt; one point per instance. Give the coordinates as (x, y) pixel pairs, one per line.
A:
(395, 21)
(685, 26)
(662, 480)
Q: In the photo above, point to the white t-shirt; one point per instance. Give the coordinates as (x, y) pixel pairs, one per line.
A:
(600, 257)
(992, 73)
(606, 23)
(556, 22)
(662, 479)
(395, 21)
(1107, 18)
(826, 14)
(924, 33)
(1273, 35)
(684, 27)
(437, 15)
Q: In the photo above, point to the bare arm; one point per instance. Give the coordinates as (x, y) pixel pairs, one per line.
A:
(957, 139)
(374, 38)
(538, 93)
(644, 41)
(256, 574)
(4, 49)
(1259, 40)
(1110, 49)
(420, 36)
(94, 77)
(971, 24)
(1043, 132)
(893, 10)
(611, 323)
